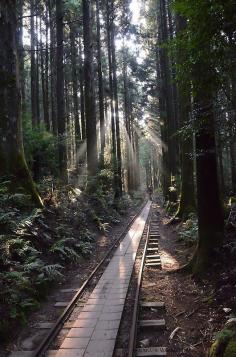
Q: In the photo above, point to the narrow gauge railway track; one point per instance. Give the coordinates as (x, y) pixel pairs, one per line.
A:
(150, 259)
(56, 327)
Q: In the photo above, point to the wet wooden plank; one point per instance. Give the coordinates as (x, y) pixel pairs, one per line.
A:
(157, 261)
(68, 290)
(151, 351)
(45, 325)
(150, 256)
(155, 304)
(152, 323)
(153, 265)
(61, 304)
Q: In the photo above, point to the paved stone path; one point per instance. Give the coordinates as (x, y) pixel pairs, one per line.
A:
(95, 330)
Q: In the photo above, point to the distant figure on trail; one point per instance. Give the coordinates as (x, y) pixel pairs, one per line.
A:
(150, 192)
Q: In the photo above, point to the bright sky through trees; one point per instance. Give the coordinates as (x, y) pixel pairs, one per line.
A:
(135, 9)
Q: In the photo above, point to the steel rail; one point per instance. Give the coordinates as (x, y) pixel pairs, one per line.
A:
(133, 330)
(53, 332)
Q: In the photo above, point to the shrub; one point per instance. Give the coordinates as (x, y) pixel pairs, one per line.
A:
(40, 144)
(189, 229)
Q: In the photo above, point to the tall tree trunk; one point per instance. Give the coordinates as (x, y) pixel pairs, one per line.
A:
(61, 118)
(37, 59)
(44, 53)
(21, 51)
(100, 87)
(115, 93)
(43, 79)
(75, 93)
(111, 95)
(34, 113)
(34, 84)
(127, 122)
(221, 165)
(91, 133)
(210, 213)
(12, 157)
(52, 69)
(187, 199)
(233, 162)
(233, 131)
(164, 100)
(81, 88)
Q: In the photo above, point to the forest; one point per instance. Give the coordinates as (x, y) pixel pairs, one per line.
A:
(102, 104)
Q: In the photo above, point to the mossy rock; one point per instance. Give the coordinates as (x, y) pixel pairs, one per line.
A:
(225, 343)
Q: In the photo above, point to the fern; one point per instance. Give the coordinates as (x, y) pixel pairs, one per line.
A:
(35, 265)
(71, 253)
(29, 304)
(28, 221)
(7, 218)
(65, 248)
(20, 200)
(4, 187)
(104, 227)
(52, 272)
(85, 248)
(86, 235)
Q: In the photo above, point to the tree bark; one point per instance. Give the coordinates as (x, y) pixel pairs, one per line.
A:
(81, 87)
(34, 113)
(21, 52)
(75, 93)
(61, 118)
(100, 87)
(187, 199)
(111, 95)
(90, 111)
(44, 72)
(52, 70)
(12, 157)
(164, 99)
(210, 213)
(115, 93)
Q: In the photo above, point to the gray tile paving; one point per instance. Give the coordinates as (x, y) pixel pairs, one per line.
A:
(95, 329)
(75, 342)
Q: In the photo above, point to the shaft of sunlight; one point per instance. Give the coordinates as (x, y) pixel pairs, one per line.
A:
(135, 7)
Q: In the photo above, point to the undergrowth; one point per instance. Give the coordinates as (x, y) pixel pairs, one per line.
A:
(37, 245)
(189, 229)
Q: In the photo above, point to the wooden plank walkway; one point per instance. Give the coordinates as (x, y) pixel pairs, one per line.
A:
(94, 332)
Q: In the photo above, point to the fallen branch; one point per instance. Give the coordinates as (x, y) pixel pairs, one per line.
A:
(180, 313)
(173, 333)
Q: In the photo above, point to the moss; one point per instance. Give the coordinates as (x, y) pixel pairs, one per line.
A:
(225, 344)
(230, 349)
(214, 349)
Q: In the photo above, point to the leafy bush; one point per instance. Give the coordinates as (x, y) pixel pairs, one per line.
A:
(40, 144)
(105, 180)
(189, 229)
(65, 248)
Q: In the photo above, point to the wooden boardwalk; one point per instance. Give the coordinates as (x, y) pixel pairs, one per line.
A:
(95, 329)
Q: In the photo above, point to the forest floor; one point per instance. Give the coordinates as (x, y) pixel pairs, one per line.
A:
(195, 309)
(57, 249)
(199, 308)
